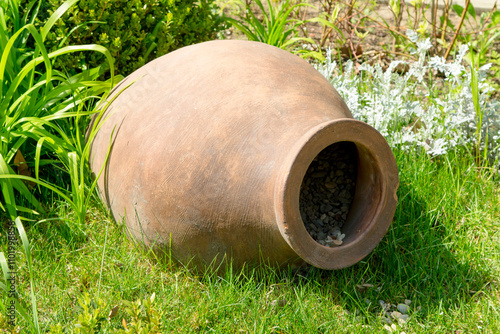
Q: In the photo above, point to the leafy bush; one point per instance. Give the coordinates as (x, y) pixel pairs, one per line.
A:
(135, 31)
(417, 108)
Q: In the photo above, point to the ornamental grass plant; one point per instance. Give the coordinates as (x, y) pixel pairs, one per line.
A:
(41, 112)
(278, 27)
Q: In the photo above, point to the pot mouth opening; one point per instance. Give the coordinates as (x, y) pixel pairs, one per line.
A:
(327, 192)
(336, 198)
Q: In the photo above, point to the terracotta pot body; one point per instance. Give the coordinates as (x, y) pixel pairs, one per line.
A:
(210, 147)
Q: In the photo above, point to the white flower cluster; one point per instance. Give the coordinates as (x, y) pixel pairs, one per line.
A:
(410, 109)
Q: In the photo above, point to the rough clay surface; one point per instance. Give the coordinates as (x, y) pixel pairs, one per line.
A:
(327, 192)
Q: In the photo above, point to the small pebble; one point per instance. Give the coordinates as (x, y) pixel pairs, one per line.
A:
(403, 308)
(395, 314)
(403, 318)
(337, 242)
(318, 222)
(330, 185)
(391, 328)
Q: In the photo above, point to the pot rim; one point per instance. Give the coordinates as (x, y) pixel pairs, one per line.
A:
(374, 202)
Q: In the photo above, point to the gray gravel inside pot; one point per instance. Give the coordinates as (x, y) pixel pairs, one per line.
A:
(327, 192)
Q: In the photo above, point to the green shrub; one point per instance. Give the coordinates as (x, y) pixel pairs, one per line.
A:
(135, 31)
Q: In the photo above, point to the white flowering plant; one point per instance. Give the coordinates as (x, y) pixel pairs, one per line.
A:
(433, 104)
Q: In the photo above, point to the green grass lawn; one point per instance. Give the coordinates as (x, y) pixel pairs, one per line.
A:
(442, 253)
(440, 257)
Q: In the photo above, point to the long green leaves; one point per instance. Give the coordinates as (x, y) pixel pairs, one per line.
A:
(277, 26)
(42, 113)
(37, 102)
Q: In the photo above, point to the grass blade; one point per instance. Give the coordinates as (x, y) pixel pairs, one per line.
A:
(56, 15)
(27, 251)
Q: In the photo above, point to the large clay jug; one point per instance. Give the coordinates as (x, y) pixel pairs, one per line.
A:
(233, 150)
